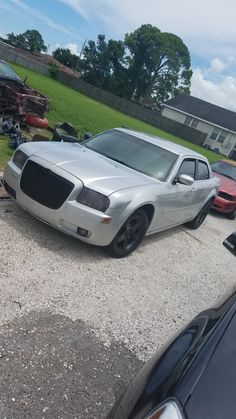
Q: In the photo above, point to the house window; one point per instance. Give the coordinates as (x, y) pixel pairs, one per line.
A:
(194, 123)
(215, 133)
(222, 137)
(187, 120)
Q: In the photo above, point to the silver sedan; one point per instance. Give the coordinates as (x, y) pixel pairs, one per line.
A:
(112, 189)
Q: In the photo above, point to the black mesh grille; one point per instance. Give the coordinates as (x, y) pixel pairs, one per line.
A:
(226, 196)
(44, 186)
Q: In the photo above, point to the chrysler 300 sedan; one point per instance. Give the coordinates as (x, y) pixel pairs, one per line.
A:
(112, 189)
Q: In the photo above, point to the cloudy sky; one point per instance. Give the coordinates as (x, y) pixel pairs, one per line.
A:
(206, 26)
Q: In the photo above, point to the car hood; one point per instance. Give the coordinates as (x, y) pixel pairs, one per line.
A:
(226, 185)
(94, 170)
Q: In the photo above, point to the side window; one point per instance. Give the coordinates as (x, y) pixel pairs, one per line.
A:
(188, 167)
(203, 171)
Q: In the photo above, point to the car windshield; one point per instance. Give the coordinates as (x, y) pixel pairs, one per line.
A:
(224, 168)
(134, 152)
(8, 72)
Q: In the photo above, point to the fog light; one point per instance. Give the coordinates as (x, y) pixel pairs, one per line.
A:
(83, 233)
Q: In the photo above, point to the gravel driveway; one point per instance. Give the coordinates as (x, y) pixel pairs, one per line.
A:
(136, 303)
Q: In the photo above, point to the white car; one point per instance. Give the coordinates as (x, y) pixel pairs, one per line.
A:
(114, 188)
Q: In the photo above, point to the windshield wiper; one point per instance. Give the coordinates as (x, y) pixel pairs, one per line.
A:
(119, 161)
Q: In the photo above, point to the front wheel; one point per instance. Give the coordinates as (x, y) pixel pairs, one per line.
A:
(198, 220)
(130, 235)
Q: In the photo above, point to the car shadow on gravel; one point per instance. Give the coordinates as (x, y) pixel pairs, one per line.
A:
(53, 367)
(218, 215)
(62, 244)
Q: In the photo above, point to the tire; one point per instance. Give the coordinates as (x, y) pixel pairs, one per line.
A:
(198, 220)
(232, 215)
(130, 235)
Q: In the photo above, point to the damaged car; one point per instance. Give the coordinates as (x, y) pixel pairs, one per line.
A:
(17, 98)
(114, 188)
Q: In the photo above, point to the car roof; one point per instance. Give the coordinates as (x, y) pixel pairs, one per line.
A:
(233, 163)
(162, 142)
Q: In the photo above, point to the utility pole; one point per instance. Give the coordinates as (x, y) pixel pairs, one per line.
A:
(82, 49)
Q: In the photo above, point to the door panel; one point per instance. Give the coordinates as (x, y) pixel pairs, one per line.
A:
(176, 207)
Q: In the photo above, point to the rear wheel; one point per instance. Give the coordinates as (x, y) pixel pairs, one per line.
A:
(198, 220)
(130, 235)
(232, 215)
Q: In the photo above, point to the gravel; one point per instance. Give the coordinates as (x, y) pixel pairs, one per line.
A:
(51, 367)
(139, 301)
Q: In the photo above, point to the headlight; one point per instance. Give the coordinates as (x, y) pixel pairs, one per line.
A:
(93, 199)
(168, 410)
(19, 158)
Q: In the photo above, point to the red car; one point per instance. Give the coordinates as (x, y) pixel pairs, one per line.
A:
(225, 202)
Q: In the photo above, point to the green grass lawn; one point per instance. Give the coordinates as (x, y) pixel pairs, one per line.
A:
(86, 114)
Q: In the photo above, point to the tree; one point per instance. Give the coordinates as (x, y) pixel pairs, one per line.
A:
(31, 40)
(150, 66)
(64, 56)
(103, 65)
(159, 65)
(96, 68)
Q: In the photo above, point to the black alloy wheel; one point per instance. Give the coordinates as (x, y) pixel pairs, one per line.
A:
(130, 235)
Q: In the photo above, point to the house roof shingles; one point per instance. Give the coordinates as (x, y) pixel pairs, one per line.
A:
(204, 110)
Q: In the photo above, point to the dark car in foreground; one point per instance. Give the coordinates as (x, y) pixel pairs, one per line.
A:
(225, 202)
(18, 99)
(194, 378)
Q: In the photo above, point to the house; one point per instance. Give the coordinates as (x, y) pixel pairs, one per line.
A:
(219, 124)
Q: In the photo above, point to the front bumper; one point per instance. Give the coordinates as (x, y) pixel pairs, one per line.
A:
(71, 215)
(222, 205)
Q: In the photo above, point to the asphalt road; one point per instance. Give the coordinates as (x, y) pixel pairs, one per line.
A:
(76, 325)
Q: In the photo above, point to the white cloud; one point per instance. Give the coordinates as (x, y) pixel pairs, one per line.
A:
(194, 20)
(217, 65)
(2, 34)
(52, 48)
(222, 93)
(74, 48)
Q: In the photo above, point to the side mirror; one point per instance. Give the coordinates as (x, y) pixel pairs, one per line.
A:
(185, 180)
(230, 243)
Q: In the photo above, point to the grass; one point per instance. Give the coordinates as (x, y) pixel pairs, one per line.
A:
(86, 114)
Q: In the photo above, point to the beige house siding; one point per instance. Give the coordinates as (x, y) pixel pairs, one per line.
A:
(225, 148)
